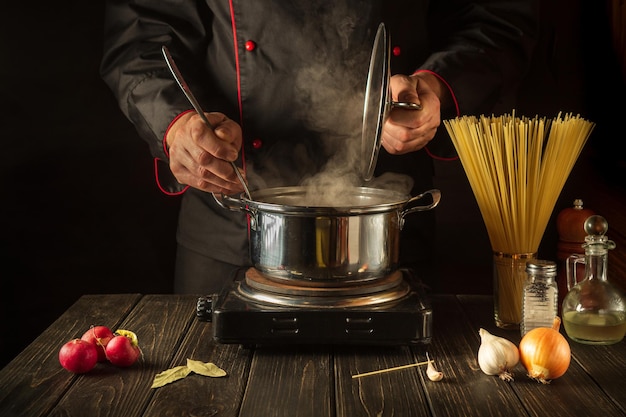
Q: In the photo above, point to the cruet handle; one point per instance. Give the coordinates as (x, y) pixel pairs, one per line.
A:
(571, 267)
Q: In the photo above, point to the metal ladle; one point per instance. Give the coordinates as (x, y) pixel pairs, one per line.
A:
(183, 85)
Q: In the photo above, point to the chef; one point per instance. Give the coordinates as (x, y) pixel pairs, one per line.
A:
(282, 84)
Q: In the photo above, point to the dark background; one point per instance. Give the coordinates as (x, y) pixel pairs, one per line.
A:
(80, 212)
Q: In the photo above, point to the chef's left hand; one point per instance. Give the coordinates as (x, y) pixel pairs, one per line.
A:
(405, 130)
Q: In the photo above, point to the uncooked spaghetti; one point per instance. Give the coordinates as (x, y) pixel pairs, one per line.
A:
(517, 167)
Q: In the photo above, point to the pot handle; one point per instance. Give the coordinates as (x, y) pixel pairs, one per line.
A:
(229, 202)
(434, 193)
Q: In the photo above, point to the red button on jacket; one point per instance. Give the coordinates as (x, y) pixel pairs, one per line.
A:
(250, 45)
(257, 143)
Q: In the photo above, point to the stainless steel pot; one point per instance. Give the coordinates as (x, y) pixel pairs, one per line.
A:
(357, 241)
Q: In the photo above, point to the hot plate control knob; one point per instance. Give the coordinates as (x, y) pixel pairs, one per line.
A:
(204, 308)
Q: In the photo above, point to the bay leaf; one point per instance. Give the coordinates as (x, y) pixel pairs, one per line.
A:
(170, 375)
(205, 368)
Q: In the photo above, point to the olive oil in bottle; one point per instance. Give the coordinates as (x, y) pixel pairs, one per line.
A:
(594, 311)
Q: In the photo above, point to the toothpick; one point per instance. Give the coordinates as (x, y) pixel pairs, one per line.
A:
(397, 368)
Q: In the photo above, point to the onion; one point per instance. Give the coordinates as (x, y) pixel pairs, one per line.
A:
(545, 353)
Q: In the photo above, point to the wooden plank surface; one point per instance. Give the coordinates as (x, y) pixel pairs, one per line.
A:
(160, 323)
(297, 380)
(291, 381)
(575, 393)
(465, 389)
(607, 364)
(397, 393)
(198, 395)
(33, 382)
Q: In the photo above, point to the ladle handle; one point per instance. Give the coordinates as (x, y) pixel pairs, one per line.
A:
(192, 99)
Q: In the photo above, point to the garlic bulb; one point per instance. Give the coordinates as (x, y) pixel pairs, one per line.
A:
(497, 355)
(432, 373)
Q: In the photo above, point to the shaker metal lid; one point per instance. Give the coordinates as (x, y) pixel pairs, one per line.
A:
(375, 106)
(540, 265)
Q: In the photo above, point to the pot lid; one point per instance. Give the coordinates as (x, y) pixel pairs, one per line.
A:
(375, 106)
(377, 103)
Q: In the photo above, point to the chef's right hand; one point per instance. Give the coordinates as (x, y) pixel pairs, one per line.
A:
(200, 156)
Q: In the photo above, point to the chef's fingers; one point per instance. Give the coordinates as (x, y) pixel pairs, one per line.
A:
(404, 89)
(398, 140)
(406, 130)
(226, 129)
(201, 159)
(203, 171)
(409, 130)
(222, 139)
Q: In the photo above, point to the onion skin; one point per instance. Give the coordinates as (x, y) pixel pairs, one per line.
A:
(545, 353)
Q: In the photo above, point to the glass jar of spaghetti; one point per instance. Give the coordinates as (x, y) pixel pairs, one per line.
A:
(509, 277)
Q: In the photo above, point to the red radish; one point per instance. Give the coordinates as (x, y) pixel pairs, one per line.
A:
(123, 349)
(78, 356)
(99, 336)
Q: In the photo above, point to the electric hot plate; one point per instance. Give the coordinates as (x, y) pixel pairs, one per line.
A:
(259, 310)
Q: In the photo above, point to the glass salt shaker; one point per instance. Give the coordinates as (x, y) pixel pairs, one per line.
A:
(540, 296)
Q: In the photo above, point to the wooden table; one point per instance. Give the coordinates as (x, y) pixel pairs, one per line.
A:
(297, 380)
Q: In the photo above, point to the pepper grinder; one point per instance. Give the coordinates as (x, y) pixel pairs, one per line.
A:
(570, 226)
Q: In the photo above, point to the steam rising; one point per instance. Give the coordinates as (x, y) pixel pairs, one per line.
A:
(333, 98)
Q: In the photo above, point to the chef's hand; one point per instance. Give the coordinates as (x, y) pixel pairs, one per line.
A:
(410, 130)
(200, 157)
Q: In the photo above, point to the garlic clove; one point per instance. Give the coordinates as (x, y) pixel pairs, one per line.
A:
(432, 373)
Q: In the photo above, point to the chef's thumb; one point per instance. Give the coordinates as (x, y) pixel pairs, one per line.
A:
(404, 88)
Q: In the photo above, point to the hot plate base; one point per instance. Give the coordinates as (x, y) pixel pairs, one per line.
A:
(240, 320)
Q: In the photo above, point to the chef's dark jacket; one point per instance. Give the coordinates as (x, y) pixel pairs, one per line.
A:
(292, 73)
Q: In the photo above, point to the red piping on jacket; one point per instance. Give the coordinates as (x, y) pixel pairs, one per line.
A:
(167, 153)
(238, 70)
(239, 99)
(456, 106)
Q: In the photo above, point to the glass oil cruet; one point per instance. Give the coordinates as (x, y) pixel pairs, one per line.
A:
(594, 311)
